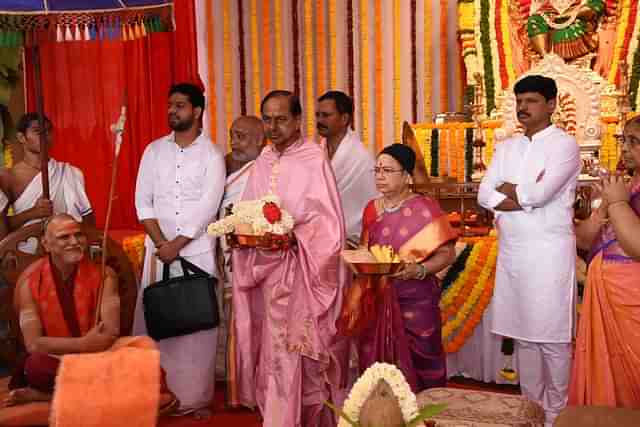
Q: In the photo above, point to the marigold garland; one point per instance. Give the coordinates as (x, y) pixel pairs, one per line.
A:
(295, 38)
(485, 41)
(620, 38)
(211, 54)
(444, 57)
(309, 54)
(428, 63)
(333, 47)
(463, 304)
(507, 58)
(277, 11)
(267, 65)
(133, 247)
(396, 72)
(378, 77)
(364, 69)
(414, 64)
(228, 63)
(255, 59)
(241, 56)
(350, 58)
(321, 57)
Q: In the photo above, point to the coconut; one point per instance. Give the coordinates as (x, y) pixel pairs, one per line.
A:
(381, 409)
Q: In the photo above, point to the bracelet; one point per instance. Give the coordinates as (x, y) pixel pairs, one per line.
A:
(422, 273)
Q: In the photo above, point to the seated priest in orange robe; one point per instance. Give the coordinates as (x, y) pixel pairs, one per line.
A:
(56, 298)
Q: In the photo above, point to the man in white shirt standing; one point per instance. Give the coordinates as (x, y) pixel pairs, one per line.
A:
(530, 186)
(351, 162)
(178, 192)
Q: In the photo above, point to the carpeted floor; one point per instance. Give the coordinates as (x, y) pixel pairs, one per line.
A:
(245, 418)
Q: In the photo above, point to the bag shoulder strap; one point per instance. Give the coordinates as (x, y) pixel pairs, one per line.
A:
(188, 267)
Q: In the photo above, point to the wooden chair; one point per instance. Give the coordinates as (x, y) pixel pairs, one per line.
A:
(14, 261)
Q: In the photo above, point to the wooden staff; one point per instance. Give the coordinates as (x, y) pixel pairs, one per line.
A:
(44, 146)
(118, 129)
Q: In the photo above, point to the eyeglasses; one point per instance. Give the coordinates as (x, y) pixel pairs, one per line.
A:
(385, 171)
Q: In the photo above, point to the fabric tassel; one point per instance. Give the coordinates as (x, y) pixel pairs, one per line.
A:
(87, 34)
(124, 33)
(143, 29)
(138, 30)
(59, 38)
(78, 33)
(67, 34)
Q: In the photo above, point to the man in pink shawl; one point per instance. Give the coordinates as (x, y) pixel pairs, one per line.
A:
(286, 302)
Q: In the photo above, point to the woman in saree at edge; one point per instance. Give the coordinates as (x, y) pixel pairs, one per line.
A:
(396, 319)
(606, 369)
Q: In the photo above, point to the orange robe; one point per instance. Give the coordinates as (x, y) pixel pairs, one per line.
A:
(65, 310)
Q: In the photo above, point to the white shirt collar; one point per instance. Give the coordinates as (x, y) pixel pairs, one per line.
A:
(172, 138)
(543, 133)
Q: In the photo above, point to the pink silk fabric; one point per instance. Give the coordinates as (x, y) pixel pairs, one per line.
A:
(286, 302)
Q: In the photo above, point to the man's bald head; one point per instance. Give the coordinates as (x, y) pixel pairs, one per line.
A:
(247, 138)
(64, 239)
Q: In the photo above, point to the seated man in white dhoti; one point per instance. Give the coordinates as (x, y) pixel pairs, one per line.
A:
(351, 162)
(23, 183)
(247, 140)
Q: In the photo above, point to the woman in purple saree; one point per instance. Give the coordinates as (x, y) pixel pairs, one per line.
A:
(396, 319)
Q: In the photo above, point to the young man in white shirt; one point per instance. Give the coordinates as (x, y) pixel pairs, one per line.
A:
(178, 192)
(530, 186)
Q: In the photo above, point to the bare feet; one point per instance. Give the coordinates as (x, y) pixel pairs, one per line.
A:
(21, 396)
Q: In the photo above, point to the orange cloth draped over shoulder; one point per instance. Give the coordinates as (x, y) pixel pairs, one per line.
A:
(53, 314)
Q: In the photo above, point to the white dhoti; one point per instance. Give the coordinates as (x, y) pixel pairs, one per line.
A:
(233, 189)
(189, 360)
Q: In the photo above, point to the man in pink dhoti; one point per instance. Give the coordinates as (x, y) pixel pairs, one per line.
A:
(286, 303)
(606, 369)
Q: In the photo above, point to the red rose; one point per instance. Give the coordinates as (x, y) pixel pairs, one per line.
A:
(271, 212)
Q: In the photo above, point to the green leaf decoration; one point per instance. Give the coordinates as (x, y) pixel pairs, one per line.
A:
(428, 411)
(340, 413)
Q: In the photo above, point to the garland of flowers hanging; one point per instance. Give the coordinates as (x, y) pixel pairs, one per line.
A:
(133, 247)
(485, 41)
(463, 304)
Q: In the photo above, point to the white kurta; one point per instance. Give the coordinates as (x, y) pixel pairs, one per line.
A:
(534, 295)
(353, 167)
(182, 189)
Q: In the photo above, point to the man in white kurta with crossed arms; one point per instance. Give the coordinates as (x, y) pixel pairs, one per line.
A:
(530, 186)
(178, 193)
(351, 162)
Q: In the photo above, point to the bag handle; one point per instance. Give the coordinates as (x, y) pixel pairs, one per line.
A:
(187, 269)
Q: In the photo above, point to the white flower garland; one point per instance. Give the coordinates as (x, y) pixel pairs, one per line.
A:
(368, 381)
(250, 212)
